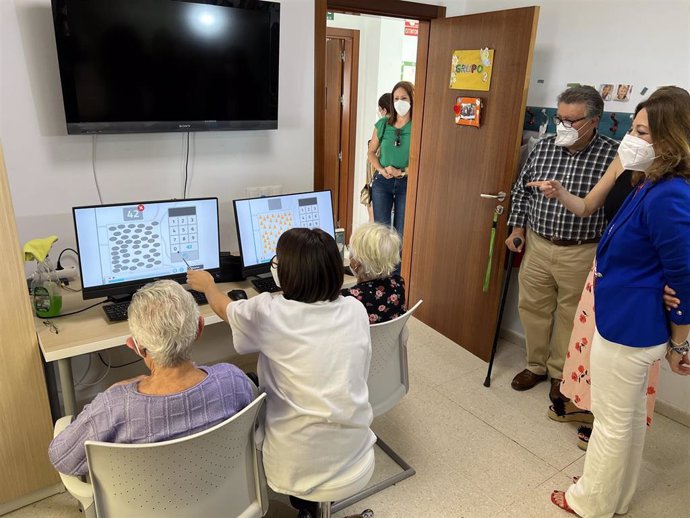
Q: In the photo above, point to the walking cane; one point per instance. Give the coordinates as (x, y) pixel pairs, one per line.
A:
(506, 284)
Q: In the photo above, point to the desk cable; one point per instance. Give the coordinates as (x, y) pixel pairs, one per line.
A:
(74, 312)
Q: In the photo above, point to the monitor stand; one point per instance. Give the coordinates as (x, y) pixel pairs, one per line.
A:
(120, 297)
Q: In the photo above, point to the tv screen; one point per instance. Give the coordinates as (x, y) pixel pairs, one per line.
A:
(124, 246)
(261, 221)
(136, 66)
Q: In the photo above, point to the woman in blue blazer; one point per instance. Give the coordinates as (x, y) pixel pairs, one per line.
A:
(646, 246)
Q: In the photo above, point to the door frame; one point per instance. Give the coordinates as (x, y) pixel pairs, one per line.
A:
(348, 124)
(395, 9)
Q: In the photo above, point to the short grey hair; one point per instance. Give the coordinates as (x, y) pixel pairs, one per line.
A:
(377, 248)
(164, 318)
(586, 95)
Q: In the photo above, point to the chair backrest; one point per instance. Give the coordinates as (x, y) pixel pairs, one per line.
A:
(210, 473)
(388, 378)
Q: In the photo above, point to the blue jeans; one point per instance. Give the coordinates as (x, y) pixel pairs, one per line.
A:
(387, 194)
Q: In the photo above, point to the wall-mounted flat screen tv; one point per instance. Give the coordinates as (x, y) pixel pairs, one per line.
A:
(139, 66)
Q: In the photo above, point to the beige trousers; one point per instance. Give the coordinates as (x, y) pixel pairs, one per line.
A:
(620, 376)
(550, 280)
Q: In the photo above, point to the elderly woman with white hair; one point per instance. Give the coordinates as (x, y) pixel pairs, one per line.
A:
(176, 399)
(374, 255)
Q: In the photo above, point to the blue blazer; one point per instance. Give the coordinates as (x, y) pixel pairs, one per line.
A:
(646, 246)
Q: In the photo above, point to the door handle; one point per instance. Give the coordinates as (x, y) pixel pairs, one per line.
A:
(500, 196)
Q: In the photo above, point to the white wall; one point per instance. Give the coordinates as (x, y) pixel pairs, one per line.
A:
(636, 42)
(50, 172)
(642, 43)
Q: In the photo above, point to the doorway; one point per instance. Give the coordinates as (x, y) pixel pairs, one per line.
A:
(387, 54)
(448, 225)
(342, 70)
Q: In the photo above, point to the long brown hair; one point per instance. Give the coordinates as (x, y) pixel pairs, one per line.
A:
(668, 111)
(409, 88)
(671, 91)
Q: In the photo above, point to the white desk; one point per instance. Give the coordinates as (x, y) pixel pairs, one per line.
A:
(90, 332)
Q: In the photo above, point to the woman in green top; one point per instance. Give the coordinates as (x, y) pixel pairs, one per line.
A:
(389, 152)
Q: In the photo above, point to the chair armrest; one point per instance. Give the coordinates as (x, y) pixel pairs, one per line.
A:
(82, 491)
(61, 424)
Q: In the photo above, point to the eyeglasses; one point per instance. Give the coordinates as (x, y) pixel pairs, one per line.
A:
(397, 138)
(53, 328)
(568, 124)
(274, 261)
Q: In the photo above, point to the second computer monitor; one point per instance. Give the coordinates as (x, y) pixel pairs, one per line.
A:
(261, 221)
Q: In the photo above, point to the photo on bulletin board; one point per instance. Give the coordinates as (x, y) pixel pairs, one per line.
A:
(606, 91)
(468, 111)
(622, 93)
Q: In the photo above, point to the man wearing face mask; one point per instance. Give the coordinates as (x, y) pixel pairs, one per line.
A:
(560, 246)
(389, 153)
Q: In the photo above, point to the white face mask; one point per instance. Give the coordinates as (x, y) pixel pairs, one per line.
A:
(566, 137)
(635, 153)
(274, 273)
(136, 346)
(402, 107)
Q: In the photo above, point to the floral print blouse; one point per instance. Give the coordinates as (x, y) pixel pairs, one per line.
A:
(383, 298)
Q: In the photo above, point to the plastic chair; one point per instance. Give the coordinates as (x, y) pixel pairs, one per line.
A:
(388, 383)
(211, 473)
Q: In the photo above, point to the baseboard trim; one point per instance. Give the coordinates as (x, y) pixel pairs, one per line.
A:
(661, 408)
(672, 412)
(31, 498)
(512, 336)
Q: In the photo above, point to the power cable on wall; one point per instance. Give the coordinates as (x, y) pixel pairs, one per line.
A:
(186, 168)
(93, 167)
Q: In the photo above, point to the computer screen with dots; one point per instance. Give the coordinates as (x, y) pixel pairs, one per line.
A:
(146, 240)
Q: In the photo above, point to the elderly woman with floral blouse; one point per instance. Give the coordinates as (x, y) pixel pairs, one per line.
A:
(374, 255)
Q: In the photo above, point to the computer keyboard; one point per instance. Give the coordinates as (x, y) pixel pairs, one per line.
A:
(117, 311)
(265, 284)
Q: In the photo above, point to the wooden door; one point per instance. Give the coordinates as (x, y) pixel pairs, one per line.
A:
(334, 81)
(25, 425)
(342, 59)
(452, 223)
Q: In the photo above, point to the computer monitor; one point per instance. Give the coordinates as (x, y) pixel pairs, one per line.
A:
(124, 246)
(261, 221)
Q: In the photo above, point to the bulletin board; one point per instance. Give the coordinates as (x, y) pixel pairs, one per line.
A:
(471, 69)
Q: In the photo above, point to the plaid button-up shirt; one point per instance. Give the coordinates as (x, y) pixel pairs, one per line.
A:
(577, 172)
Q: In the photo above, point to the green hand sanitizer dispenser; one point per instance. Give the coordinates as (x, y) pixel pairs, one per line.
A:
(45, 290)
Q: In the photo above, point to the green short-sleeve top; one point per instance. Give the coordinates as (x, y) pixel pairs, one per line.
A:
(390, 154)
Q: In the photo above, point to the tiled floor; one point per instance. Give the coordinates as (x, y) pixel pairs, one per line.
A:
(483, 452)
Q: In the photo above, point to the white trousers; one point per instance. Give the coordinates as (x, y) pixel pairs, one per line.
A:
(614, 454)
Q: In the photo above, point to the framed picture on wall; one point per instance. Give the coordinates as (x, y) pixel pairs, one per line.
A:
(468, 111)
(623, 93)
(606, 90)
